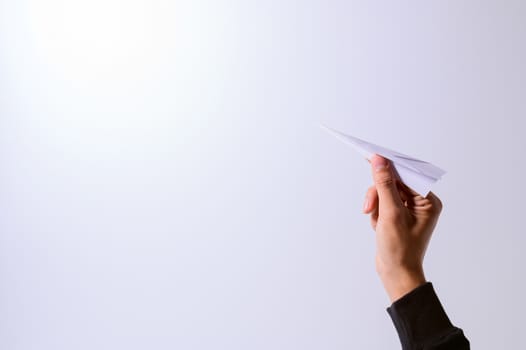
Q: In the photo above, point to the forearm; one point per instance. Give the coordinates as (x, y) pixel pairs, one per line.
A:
(422, 323)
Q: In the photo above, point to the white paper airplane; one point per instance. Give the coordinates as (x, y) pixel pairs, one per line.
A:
(415, 173)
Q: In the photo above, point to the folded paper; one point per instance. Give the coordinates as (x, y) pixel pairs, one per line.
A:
(416, 174)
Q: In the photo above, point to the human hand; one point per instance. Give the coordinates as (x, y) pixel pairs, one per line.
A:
(403, 221)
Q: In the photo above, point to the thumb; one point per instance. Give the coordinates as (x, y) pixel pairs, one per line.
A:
(385, 182)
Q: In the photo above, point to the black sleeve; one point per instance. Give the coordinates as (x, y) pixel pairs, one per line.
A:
(422, 323)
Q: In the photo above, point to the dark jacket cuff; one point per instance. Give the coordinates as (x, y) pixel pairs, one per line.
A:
(419, 318)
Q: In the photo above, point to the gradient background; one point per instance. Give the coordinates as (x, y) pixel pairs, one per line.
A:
(164, 183)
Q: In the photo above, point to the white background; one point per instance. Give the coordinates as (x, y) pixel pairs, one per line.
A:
(164, 183)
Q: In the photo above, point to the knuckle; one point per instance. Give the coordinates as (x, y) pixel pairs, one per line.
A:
(439, 205)
(384, 180)
(436, 204)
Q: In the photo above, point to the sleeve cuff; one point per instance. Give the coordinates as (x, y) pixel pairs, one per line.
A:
(419, 317)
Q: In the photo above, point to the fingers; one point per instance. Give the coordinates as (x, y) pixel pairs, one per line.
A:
(374, 218)
(415, 199)
(436, 203)
(385, 183)
(370, 205)
(371, 200)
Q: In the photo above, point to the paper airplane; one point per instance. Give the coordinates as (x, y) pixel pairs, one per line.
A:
(416, 174)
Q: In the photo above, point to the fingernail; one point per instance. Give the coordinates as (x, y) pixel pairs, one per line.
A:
(379, 163)
(366, 204)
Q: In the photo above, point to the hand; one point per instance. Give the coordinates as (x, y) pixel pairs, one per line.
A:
(403, 221)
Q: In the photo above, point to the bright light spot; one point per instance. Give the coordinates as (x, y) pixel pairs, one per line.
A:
(94, 39)
(124, 74)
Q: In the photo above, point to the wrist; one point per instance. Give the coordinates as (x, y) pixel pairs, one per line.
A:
(400, 281)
